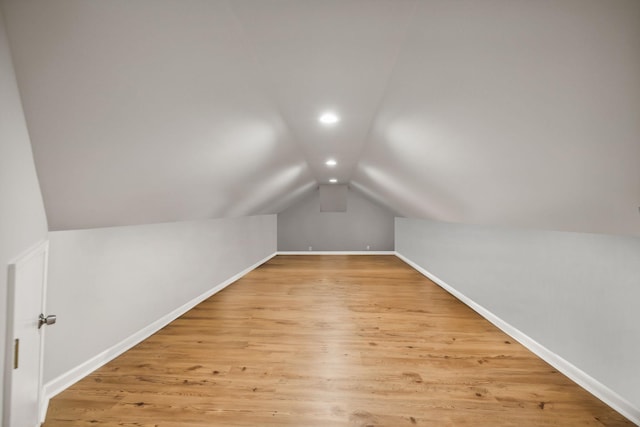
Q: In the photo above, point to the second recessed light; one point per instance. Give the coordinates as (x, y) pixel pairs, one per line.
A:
(331, 162)
(329, 118)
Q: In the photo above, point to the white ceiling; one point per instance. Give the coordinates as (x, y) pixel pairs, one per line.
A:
(515, 113)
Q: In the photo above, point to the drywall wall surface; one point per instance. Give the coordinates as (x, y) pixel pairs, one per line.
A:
(576, 294)
(107, 284)
(365, 223)
(22, 218)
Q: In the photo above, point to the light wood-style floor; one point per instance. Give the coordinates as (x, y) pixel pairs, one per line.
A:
(329, 341)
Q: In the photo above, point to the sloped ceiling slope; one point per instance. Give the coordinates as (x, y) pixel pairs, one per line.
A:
(148, 111)
(518, 113)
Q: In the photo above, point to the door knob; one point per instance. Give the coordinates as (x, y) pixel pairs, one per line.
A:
(48, 320)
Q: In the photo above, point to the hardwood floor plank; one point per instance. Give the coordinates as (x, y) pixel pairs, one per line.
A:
(329, 341)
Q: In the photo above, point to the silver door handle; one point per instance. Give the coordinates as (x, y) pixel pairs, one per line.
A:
(49, 320)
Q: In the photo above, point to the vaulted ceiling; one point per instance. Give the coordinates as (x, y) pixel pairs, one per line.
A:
(518, 113)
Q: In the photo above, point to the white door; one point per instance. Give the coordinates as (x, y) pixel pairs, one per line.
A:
(23, 364)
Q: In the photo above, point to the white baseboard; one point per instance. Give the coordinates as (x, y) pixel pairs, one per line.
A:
(44, 406)
(577, 375)
(336, 253)
(66, 380)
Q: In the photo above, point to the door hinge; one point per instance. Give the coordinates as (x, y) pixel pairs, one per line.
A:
(16, 353)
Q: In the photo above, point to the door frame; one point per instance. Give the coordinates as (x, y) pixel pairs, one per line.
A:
(41, 247)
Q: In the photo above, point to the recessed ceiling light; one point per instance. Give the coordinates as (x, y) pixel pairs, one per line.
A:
(331, 162)
(333, 180)
(329, 118)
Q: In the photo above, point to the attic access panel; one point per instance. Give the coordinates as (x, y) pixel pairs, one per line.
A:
(333, 198)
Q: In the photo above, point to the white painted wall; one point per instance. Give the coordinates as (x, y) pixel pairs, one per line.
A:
(22, 217)
(107, 284)
(364, 223)
(576, 294)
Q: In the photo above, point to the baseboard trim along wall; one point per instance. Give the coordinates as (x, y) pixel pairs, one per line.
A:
(336, 253)
(578, 376)
(66, 380)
